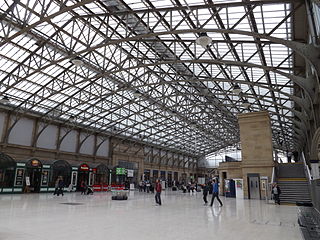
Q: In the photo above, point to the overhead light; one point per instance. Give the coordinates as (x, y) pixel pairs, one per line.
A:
(204, 40)
(245, 103)
(236, 89)
(193, 124)
(77, 61)
(72, 118)
(137, 94)
(173, 113)
(5, 100)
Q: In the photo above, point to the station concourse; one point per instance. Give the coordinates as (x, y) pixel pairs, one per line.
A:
(123, 119)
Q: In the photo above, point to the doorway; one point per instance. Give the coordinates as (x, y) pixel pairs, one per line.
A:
(83, 176)
(33, 176)
(254, 187)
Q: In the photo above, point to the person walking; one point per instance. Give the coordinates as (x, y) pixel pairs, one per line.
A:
(148, 185)
(56, 186)
(61, 186)
(158, 189)
(215, 193)
(276, 191)
(83, 187)
(205, 193)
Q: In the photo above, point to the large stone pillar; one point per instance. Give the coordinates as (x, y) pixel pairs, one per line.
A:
(256, 147)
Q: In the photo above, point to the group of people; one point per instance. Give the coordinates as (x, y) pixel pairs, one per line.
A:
(85, 189)
(146, 186)
(214, 186)
(215, 192)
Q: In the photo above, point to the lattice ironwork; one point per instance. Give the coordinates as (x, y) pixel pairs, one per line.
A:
(141, 75)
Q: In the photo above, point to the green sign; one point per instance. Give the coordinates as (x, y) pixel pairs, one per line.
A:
(120, 171)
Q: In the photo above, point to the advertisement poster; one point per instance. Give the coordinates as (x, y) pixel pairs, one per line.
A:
(74, 178)
(129, 173)
(239, 184)
(45, 174)
(28, 181)
(19, 177)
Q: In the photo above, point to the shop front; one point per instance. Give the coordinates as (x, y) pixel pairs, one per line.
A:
(7, 173)
(60, 169)
(163, 175)
(101, 174)
(170, 179)
(146, 174)
(175, 176)
(33, 176)
(155, 175)
(82, 176)
(27, 176)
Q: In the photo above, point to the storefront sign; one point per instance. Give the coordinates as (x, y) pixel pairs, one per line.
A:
(130, 173)
(19, 177)
(84, 167)
(45, 175)
(35, 163)
(120, 171)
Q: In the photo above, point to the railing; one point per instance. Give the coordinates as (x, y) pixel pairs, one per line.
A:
(306, 168)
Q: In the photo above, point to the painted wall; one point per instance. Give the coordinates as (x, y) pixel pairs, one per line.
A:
(21, 133)
(48, 137)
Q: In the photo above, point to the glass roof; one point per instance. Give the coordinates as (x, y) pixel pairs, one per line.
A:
(143, 76)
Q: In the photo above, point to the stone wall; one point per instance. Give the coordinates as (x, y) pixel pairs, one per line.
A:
(256, 146)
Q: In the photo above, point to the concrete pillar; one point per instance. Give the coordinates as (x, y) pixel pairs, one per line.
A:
(256, 146)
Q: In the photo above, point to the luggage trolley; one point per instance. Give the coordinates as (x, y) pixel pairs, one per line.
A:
(119, 194)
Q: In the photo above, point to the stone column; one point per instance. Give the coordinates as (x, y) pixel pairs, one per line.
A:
(256, 146)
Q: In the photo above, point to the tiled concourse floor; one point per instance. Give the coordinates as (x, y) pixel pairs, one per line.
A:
(182, 216)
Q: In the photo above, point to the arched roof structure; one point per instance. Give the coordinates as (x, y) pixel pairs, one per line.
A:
(142, 76)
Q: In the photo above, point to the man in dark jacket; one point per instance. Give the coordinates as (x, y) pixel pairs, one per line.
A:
(158, 189)
(215, 193)
(276, 191)
(205, 193)
(61, 186)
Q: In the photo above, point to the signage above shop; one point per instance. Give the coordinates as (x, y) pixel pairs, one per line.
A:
(84, 167)
(35, 163)
(130, 173)
(120, 171)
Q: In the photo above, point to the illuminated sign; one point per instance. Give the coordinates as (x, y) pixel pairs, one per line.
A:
(120, 171)
(84, 167)
(35, 163)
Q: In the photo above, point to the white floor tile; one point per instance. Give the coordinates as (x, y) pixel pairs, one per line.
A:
(182, 216)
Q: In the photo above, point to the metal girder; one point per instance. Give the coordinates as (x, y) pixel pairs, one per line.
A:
(189, 7)
(136, 44)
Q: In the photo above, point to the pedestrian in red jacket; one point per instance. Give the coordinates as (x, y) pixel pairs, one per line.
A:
(158, 189)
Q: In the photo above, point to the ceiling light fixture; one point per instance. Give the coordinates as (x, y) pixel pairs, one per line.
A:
(5, 100)
(245, 103)
(236, 89)
(173, 113)
(204, 40)
(72, 118)
(77, 61)
(137, 94)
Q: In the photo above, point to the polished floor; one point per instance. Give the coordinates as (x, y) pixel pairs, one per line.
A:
(182, 216)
